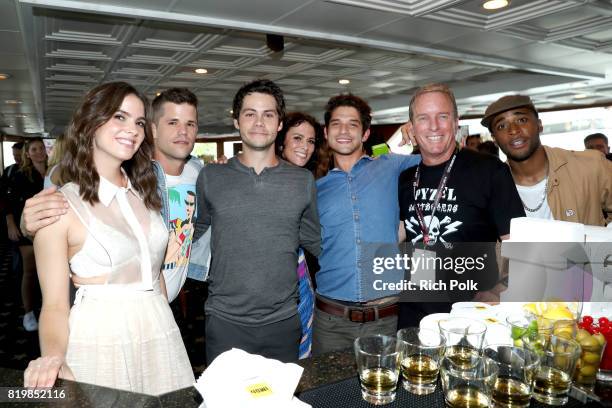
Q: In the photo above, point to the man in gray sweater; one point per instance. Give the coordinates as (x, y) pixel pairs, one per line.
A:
(260, 209)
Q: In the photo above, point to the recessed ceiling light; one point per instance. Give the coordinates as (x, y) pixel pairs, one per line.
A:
(201, 70)
(495, 4)
(344, 82)
(4, 76)
(21, 115)
(580, 96)
(13, 102)
(157, 93)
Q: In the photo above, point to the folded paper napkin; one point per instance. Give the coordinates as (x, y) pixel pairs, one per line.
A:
(242, 380)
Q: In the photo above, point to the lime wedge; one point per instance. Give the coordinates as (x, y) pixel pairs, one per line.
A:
(518, 332)
(532, 329)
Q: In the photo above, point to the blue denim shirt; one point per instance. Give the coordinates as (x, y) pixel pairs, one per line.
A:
(357, 210)
(200, 249)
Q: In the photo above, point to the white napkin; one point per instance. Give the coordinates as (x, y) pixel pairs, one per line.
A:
(239, 379)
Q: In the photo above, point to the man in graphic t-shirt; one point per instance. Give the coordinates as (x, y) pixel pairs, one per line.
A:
(452, 196)
(181, 231)
(175, 126)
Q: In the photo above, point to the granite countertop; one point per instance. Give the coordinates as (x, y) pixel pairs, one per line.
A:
(318, 371)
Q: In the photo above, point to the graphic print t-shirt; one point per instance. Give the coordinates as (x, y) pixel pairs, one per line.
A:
(182, 209)
(478, 202)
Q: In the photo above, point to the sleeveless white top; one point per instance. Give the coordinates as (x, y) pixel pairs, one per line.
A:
(125, 241)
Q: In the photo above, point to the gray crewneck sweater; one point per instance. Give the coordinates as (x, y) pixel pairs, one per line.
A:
(258, 222)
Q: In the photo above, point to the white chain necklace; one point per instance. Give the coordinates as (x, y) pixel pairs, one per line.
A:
(541, 201)
(532, 210)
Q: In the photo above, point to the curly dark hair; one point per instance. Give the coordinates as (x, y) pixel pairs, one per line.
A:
(354, 101)
(173, 95)
(263, 86)
(98, 107)
(292, 120)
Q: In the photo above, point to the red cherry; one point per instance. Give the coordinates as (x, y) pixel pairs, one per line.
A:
(594, 330)
(603, 321)
(588, 320)
(605, 330)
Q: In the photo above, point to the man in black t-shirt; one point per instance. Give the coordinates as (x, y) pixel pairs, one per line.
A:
(476, 202)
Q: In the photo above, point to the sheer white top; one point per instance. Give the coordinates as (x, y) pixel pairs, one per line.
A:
(125, 241)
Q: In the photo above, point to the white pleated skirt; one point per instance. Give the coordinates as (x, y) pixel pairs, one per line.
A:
(127, 340)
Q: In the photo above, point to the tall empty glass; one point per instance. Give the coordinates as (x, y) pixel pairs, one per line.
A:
(464, 339)
(378, 365)
(468, 387)
(558, 357)
(421, 352)
(517, 368)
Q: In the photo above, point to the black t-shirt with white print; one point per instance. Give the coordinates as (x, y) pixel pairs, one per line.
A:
(479, 201)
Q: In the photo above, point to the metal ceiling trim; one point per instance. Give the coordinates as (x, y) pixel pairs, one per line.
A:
(80, 6)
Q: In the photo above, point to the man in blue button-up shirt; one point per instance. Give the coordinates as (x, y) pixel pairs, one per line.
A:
(358, 211)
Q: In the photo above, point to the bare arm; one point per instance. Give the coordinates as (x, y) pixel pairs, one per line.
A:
(41, 210)
(51, 249)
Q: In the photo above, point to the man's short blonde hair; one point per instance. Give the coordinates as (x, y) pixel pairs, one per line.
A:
(435, 87)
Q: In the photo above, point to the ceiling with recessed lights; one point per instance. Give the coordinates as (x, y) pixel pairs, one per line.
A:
(559, 52)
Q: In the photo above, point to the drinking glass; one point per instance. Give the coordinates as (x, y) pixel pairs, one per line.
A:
(521, 325)
(470, 387)
(378, 366)
(464, 338)
(565, 328)
(517, 367)
(589, 362)
(421, 352)
(558, 357)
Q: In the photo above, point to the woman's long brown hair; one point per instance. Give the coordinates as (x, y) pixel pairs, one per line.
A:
(27, 167)
(77, 165)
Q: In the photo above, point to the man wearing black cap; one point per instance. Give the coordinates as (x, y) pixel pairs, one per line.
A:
(553, 183)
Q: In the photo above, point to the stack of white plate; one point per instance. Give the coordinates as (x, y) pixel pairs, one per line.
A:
(493, 316)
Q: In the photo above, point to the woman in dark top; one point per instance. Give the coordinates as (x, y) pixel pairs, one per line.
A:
(26, 182)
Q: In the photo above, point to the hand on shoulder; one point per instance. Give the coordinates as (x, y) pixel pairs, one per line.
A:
(41, 210)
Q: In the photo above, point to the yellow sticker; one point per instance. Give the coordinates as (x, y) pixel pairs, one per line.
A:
(259, 390)
(491, 320)
(480, 308)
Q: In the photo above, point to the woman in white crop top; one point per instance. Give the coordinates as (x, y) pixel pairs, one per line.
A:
(120, 332)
